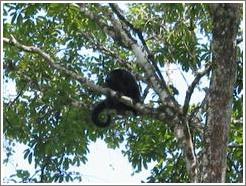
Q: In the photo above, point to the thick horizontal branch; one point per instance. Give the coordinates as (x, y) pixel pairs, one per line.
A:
(142, 109)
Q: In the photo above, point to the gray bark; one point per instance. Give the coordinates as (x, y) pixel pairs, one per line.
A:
(225, 19)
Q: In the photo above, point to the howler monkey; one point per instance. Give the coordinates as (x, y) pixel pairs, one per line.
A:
(123, 82)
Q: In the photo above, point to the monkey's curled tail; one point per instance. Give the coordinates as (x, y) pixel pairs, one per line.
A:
(96, 112)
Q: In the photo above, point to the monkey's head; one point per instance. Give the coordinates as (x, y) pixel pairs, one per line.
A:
(99, 117)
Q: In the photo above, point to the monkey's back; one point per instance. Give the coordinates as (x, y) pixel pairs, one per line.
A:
(124, 82)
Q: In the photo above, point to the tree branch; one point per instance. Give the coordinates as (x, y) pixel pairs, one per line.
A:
(191, 88)
(142, 109)
(235, 146)
(115, 8)
(142, 57)
(52, 63)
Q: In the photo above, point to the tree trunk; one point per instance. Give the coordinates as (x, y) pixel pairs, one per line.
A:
(225, 19)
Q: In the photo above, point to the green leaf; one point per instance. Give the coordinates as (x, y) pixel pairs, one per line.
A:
(26, 153)
(30, 158)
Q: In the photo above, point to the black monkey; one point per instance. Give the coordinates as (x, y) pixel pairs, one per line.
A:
(123, 82)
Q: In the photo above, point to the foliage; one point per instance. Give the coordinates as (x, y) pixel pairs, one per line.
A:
(42, 115)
